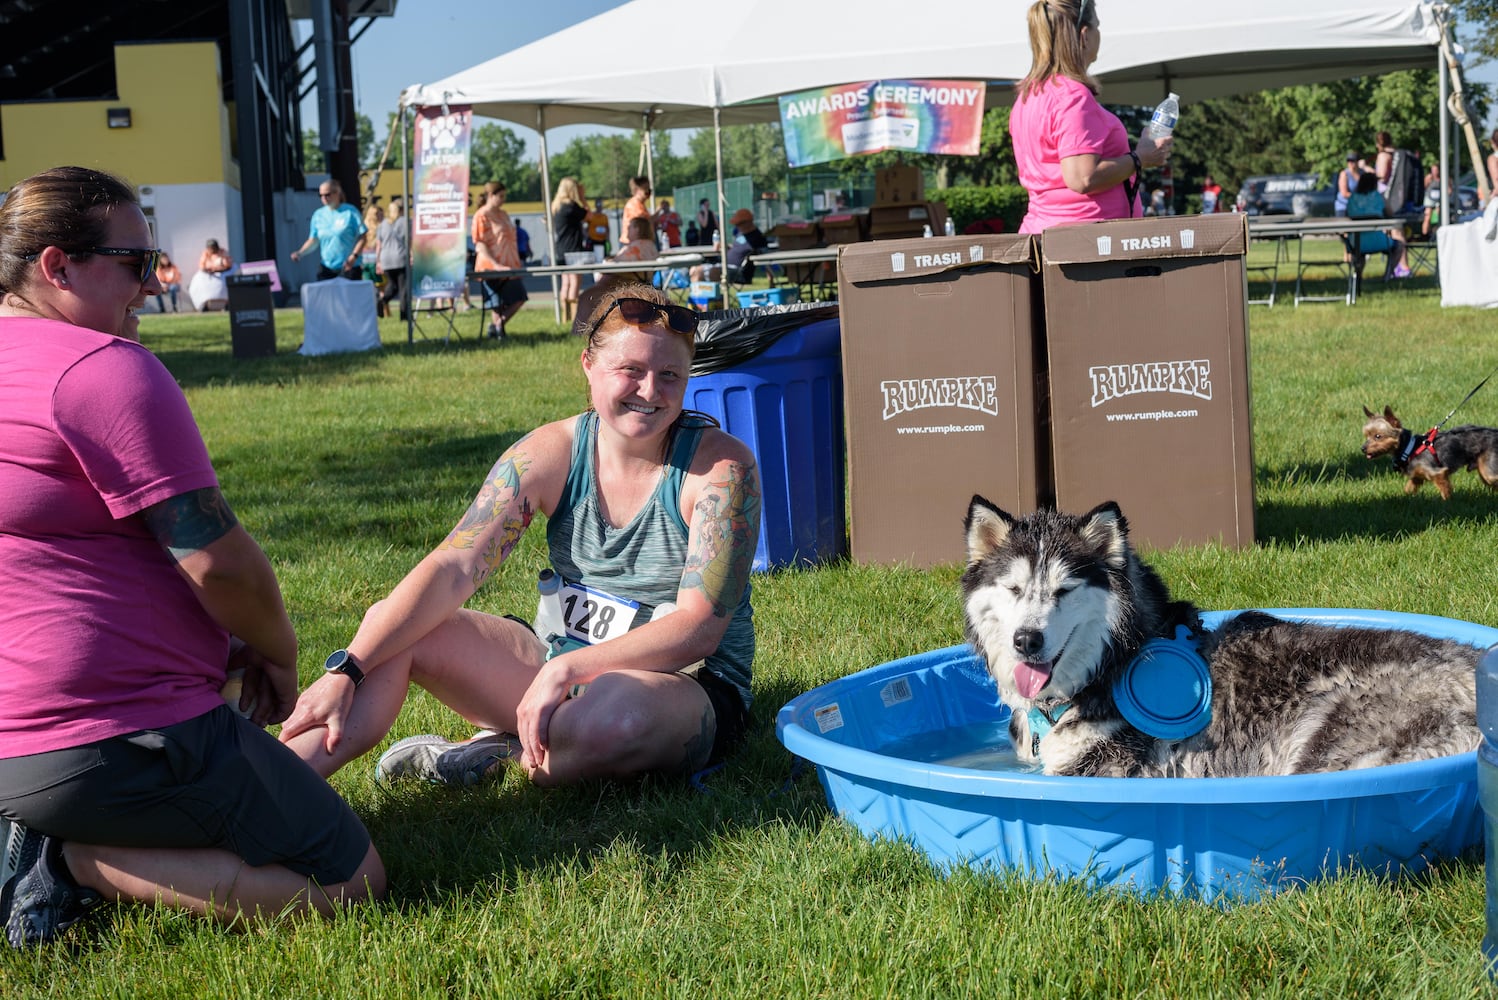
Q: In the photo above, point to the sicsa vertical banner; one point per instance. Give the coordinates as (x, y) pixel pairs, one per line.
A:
(439, 243)
(913, 116)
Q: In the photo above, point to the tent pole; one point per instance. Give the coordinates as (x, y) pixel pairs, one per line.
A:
(649, 161)
(722, 204)
(406, 303)
(1444, 88)
(551, 237)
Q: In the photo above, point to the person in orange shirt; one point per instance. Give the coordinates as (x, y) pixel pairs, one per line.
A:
(638, 206)
(496, 250)
(170, 280)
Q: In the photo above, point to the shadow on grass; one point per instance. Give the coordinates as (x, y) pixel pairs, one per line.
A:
(439, 841)
(1387, 517)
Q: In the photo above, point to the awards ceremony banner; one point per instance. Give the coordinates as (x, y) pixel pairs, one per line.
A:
(439, 234)
(913, 116)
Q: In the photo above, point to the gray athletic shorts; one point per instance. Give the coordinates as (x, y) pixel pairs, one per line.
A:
(214, 781)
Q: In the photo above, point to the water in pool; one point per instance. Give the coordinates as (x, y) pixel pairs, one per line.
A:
(982, 746)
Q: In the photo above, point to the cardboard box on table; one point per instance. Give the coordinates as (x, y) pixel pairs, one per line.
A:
(895, 222)
(1146, 332)
(899, 185)
(943, 390)
(844, 227)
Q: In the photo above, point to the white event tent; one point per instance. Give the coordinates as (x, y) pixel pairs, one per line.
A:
(752, 51)
(755, 50)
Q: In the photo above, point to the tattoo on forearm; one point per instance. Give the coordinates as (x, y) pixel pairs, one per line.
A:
(190, 521)
(497, 517)
(727, 531)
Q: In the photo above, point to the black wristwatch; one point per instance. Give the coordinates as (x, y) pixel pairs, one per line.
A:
(343, 662)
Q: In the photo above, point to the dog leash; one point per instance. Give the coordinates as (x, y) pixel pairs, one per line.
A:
(1468, 396)
(1410, 446)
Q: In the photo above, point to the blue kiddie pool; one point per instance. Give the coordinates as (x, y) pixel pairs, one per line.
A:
(918, 749)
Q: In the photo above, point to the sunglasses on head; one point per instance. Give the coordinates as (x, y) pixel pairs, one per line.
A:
(1083, 14)
(148, 257)
(640, 312)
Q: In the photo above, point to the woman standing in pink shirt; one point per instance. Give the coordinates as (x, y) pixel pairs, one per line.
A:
(1073, 155)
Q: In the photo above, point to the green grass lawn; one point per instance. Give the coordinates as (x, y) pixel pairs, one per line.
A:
(349, 468)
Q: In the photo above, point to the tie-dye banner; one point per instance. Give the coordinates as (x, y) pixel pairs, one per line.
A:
(439, 220)
(911, 116)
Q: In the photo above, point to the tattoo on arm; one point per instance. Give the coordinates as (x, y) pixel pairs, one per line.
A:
(725, 531)
(190, 521)
(497, 517)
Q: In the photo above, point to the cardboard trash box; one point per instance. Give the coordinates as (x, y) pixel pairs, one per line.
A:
(943, 390)
(252, 317)
(1146, 330)
(899, 185)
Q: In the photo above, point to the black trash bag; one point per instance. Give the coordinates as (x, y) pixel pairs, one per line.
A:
(727, 338)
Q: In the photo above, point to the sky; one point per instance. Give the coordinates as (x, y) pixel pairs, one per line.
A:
(427, 40)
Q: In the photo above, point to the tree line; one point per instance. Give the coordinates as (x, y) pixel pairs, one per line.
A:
(1305, 129)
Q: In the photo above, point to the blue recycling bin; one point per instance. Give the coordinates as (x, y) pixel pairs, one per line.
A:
(786, 404)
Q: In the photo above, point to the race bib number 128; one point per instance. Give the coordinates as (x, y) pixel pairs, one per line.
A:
(595, 616)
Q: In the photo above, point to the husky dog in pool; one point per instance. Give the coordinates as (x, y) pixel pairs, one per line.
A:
(1105, 675)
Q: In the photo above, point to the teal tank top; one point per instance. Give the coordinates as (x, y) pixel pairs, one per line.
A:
(643, 560)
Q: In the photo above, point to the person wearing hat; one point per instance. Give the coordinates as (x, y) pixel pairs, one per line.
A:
(1347, 182)
(747, 241)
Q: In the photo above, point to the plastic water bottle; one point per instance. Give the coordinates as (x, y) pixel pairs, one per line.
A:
(1163, 122)
(1487, 791)
(665, 241)
(949, 227)
(549, 623)
(926, 232)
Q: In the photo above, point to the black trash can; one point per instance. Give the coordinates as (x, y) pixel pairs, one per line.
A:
(252, 317)
(772, 376)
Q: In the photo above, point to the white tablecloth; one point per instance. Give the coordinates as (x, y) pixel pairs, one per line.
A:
(208, 291)
(1469, 260)
(339, 315)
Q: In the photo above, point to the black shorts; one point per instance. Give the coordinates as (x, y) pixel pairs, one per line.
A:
(728, 710)
(505, 291)
(214, 781)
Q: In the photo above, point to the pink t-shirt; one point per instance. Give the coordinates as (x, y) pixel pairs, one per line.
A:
(1062, 118)
(102, 636)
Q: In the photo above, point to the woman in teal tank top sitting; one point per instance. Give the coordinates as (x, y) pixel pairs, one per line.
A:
(652, 518)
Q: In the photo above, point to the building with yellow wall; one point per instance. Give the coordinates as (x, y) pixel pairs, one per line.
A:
(170, 133)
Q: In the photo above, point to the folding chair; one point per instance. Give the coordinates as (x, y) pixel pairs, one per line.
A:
(447, 313)
(1422, 253)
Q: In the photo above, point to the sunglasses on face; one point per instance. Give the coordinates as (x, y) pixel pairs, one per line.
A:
(642, 312)
(143, 270)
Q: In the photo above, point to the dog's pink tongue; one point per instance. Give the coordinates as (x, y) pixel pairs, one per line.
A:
(1031, 677)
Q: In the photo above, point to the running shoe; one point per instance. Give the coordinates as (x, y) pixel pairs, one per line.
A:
(444, 762)
(1401, 272)
(41, 900)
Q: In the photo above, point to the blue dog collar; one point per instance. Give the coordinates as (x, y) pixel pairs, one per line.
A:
(1166, 691)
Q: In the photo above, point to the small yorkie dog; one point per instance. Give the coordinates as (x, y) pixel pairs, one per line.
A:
(1432, 457)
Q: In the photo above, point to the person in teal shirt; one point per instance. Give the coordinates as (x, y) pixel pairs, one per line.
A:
(338, 231)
